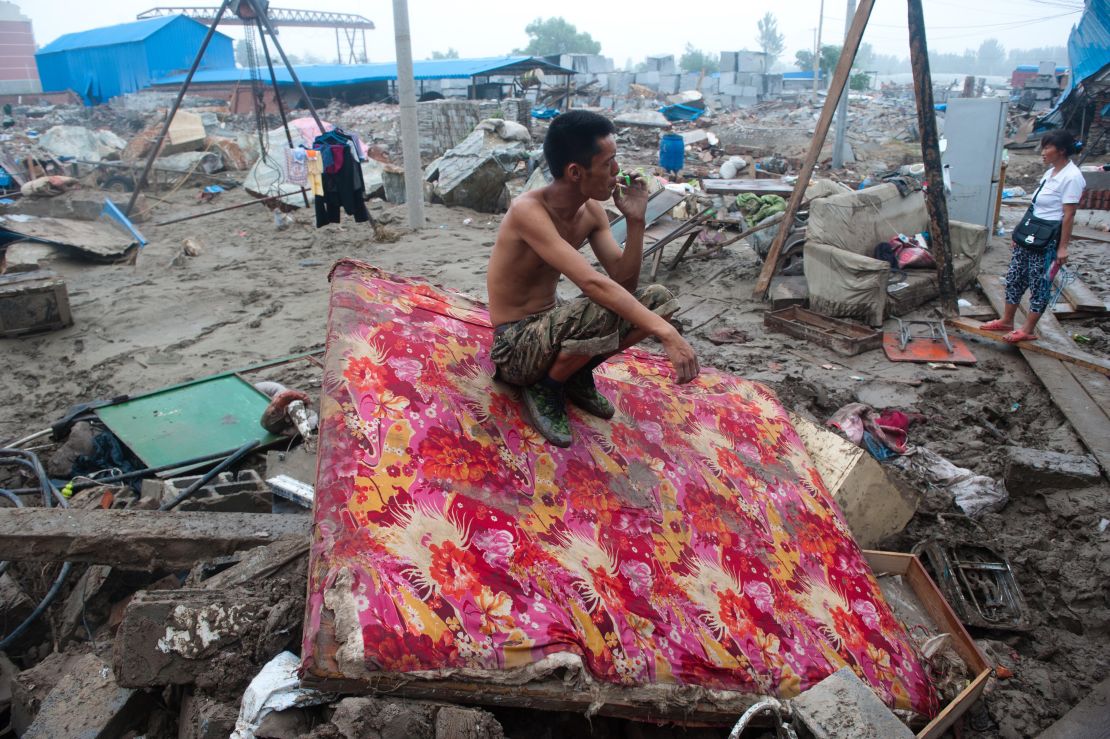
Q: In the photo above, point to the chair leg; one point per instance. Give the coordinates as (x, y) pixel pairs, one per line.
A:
(656, 260)
(682, 252)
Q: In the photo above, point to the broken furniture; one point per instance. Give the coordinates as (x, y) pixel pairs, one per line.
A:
(846, 281)
(978, 583)
(908, 586)
(33, 301)
(931, 345)
(658, 550)
(195, 419)
(874, 504)
(843, 337)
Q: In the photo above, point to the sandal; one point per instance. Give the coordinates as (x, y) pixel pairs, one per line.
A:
(997, 325)
(1017, 336)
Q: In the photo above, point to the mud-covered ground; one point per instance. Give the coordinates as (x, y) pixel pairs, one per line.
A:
(254, 294)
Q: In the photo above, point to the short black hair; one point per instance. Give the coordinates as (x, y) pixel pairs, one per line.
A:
(1060, 140)
(573, 137)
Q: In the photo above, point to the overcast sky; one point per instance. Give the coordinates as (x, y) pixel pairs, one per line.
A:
(626, 30)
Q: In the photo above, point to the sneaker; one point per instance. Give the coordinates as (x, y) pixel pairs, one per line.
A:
(583, 393)
(547, 411)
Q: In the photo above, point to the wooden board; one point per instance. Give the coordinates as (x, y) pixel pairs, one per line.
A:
(1081, 297)
(1090, 234)
(741, 186)
(1040, 346)
(1086, 415)
(97, 240)
(137, 540)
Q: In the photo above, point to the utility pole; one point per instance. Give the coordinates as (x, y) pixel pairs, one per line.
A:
(406, 96)
(842, 107)
(941, 245)
(817, 52)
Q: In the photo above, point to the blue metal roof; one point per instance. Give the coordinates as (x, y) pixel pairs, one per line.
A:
(124, 33)
(1088, 53)
(334, 75)
(807, 75)
(1036, 68)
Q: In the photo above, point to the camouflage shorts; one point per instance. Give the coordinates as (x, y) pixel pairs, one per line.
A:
(524, 350)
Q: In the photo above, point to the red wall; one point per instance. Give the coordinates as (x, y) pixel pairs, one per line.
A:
(17, 51)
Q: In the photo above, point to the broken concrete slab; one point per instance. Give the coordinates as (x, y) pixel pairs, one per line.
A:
(874, 504)
(135, 539)
(1031, 471)
(88, 703)
(842, 705)
(79, 205)
(30, 687)
(81, 143)
(96, 240)
(473, 173)
(190, 162)
(245, 492)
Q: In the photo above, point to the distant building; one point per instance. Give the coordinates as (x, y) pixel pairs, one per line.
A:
(105, 62)
(1025, 72)
(802, 81)
(18, 73)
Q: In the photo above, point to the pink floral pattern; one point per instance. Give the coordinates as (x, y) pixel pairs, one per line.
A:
(688, 541)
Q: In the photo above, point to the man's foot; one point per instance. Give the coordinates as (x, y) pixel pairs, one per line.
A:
(583, 393)
(547, 411)
(997, 325)
(1015, 337)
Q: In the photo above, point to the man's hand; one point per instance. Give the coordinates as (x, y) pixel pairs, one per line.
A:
(682, 356)
(631, 197)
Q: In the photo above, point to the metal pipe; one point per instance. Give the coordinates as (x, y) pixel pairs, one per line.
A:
(230, 207)
(207, 477)
(406, 97)
(941, 245)
(173, 110)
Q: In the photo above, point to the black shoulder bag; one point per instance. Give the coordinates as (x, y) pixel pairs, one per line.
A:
(1035, 233)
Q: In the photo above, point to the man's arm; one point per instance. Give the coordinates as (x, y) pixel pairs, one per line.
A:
(534, 225)
(622, 265)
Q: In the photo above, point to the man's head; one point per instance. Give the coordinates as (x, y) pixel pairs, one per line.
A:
(580, 149)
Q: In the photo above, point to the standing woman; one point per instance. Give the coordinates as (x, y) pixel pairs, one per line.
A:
(1041, 239)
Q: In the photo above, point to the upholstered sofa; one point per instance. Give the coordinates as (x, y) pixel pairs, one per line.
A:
(844, 280)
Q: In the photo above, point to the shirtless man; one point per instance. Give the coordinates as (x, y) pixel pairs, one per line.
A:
(550, 348)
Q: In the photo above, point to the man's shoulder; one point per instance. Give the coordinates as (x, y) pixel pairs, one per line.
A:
(529, 203)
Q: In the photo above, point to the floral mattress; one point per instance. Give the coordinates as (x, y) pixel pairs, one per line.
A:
(689, 541)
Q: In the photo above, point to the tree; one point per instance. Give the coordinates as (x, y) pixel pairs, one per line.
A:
(992, 57)
(830, 55)
(696, 60)
(771, 42)
(556, 36)
(859, 81)
(451, 53)
(241, 56)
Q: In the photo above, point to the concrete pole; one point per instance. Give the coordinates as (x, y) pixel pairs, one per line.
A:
(842, 107)
(817, 53)
(406, 95)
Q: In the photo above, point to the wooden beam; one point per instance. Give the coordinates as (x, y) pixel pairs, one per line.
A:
(974, 327)
(836, 88)
(137, 540)
(1068, 392)
(935, 202)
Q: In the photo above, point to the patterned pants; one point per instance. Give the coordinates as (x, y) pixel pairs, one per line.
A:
(524, 350)
(1029, 271)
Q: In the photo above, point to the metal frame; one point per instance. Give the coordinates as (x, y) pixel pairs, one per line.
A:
(264, 26)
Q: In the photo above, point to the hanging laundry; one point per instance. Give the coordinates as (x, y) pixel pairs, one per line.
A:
(315, 171)
(343, 186)
(296, 167)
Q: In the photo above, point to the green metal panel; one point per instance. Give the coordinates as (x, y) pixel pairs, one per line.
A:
(217, 414)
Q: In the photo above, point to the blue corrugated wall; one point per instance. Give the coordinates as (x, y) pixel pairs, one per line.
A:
(103, 72)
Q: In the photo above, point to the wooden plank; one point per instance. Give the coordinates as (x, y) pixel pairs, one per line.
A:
(1088, 720)
(1089, 420)
(1081, 297)
(137, 540)
(1089, 234)
(837, 86)
(1039, 347)
(741, 186)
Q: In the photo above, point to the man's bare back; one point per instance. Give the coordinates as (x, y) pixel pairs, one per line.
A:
(519, 282)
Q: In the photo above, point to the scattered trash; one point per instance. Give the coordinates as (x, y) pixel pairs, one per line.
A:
(978, 583)
(973, 494)
(275, 688)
